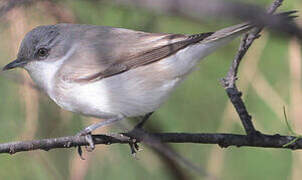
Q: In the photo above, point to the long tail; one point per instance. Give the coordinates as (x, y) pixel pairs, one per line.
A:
(238, 29)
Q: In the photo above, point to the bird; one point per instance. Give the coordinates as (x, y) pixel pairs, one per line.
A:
(113, 73)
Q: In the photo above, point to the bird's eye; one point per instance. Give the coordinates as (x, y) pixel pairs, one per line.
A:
(42, 52)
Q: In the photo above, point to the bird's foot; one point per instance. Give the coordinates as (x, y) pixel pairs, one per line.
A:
(88, 137)
(134, 147)
(87, 132)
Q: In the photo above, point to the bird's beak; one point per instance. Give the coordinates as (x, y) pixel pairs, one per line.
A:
(14, 64)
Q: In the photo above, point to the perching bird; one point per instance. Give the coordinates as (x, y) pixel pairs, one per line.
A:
(113, 73)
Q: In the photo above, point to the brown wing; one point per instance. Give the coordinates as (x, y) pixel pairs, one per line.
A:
(113, 51)
(151, 55)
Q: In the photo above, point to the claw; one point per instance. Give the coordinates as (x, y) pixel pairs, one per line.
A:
(91, 146)
(133, 151)
(87, 134)
(134, 147)
(80, 152)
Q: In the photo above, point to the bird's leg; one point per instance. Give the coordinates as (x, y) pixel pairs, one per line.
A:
(87, 131)
(138, 127)
(143, 121)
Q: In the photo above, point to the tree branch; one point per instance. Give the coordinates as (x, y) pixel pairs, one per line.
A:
(221, 139)
(229, 82)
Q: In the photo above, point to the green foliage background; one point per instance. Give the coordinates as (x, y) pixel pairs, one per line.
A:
(198, 105)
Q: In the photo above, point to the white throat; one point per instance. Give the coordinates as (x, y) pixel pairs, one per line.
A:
(43, 72)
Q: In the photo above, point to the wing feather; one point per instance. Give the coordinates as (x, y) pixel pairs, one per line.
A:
(107, 51)
(124, 60)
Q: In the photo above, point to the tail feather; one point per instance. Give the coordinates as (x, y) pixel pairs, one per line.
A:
(229, 31)
(238, 29)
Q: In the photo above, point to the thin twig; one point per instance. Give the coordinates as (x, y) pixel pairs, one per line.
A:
(229, 82)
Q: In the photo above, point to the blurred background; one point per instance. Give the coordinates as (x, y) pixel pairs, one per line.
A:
(270, 78)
